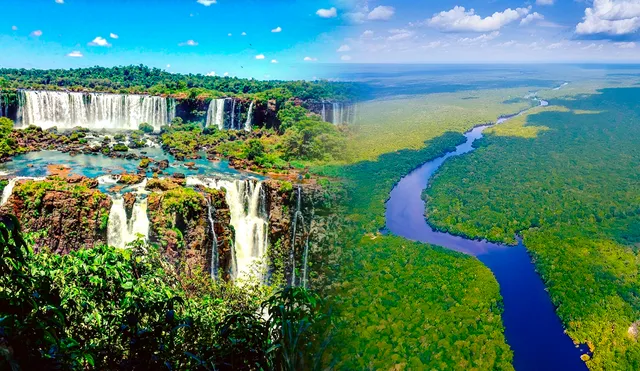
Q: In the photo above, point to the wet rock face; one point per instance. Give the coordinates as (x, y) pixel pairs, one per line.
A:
(129, 201)
(179, 225)
(70, 214)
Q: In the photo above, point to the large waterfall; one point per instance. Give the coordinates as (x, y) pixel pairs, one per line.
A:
(339, 113)
(121, 231)
(249, 123)
(215, 114)
(225, 114)
(67, 110)
(247, 205)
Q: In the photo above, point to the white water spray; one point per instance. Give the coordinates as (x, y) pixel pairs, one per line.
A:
(248, 124)
(67, 110)
(121, 231)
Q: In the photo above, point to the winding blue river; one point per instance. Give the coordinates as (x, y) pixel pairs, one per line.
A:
(532, 328)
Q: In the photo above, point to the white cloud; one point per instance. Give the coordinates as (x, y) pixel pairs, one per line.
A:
(260, 56)
(611, 17)
(113, 36)
(344, 48)
(277, 29)
(189, 43)
(274, 61)
(459, 19)
(479, 39)
(626, 45)
(229, 34)
(327, 13)
(345, 58)
(592, 46)
(555, 46)
(75, 54)
(367, 33)
(310, 59)
(36, 33)
(507, 44)
(226, 74)
(60, 1)
(243, 34)
(212, 73)
(545, 2)
(100, 41)
(168, 66)
(535, 16)
(15, 28)
(381, 13)
(400, 34)
(206, 2)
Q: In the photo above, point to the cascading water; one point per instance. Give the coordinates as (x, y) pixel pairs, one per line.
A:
(249, 219)
(67, 110)
(8, 189)
(249, 122)
(294, 224)
(337, 113)
(233, 114)
(324, 112)
(215, 260)
(215, 113)
(121, 231)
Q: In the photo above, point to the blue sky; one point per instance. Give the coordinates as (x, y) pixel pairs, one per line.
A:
(507, 31)
(187, 35)
(206, 36)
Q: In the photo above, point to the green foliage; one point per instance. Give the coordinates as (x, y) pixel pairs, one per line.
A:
(147, 128)
(290, 114)
(7, 144)
(142, 79)
(120, 147)
(417, 307)
(572, 191)
(106, 308)
(313, 139)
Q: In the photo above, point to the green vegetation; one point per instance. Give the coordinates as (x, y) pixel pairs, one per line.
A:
(7, 144)
(120, 147)
(146, 128)
(415, 306)
(105, 308)
(406, 123)
(418, 307)
(568, 181)
(306, 138)
(142, 79)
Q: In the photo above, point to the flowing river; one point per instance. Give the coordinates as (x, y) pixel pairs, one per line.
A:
(532, 328)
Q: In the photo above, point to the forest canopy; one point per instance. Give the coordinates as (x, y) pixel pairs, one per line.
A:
(143, 79)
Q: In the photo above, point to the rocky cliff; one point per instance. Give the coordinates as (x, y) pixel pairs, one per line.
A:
(64, 214)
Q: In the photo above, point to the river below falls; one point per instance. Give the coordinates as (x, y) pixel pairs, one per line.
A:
(532, 328)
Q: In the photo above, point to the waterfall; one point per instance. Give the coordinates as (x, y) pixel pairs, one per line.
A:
(121, 231)
(337, 113)
(249, 122)
(215, 113)
(247, 205)
(67, 110)
(294, 224)
(8, 190)
(215, 260)
(233, 114)
(324, 112)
